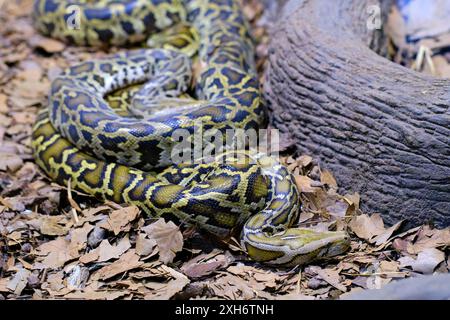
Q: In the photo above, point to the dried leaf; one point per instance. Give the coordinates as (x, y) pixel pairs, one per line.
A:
(4, 285)
(10, 162)
(431, 239)
(50, 226)
(206, 264)
(19, 282)
(107, 252)
(305, 216)
(353, 200)
(89, 257)
(304, 161)
(168, 238)
(332, 277)
(232, 287)
(144, 246)
(96, 295)
(47, 44)
(57, 253)
(119, 219)
(327, 178)
(294, 296)
(78, 236)
(3, 103)
(305, 184)
(367, 227)
(338, 209)
(389, 266)
(426, 261)
(384, 237)
(167, 291)
(127, 261)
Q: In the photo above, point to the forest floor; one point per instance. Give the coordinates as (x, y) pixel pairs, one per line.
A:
(56, 243)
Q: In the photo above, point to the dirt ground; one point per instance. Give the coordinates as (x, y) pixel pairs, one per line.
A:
(57, 243)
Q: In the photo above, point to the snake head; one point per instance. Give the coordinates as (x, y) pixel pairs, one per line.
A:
(295, 246)
(319, 246)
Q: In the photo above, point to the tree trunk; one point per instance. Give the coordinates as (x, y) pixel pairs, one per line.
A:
(382, 129)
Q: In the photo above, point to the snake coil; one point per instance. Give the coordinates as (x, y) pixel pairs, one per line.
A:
(81, 139)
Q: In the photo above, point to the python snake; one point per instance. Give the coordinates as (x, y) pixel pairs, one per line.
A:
(80, 139)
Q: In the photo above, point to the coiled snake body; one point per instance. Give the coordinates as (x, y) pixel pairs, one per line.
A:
(80, 139)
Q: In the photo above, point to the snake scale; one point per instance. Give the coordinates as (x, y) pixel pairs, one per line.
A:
(128, 158)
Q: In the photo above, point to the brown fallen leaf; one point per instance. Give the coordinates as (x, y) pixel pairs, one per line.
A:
(19, 281)
(426, 261)
(128, 284)
(47, 44)
(89, 257)
(327, 178)
(127, 261)
(168, 290)
(353, 200)
(294, 296)
(401, 245)
(338, 209)
(431, 239)
(2, 133)
(57, 252)
(25, 264)
(305, 184)
(4, 284)
(95, 295)
(27, 171)
(206, 264)
(78, 236)
(267, 280)
(119, 220)
(23, 117)
(305, 216)
(50, 225)
(389, 266)
(3, 103)
(55, 282)
(367, 227)
(232, 287)
(384, 237)
(330, 276)
(255, 278)
(107, 252)
(30, 70)
(144, 245)
(10, 162)
(93, 215)
(304, 161)
(168, 239)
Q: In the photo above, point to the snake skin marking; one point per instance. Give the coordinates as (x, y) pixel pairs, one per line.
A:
(109, 150)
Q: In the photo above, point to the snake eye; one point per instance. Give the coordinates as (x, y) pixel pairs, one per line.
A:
(273, 230)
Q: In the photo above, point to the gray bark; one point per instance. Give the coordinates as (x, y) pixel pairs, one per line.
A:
(382, 129)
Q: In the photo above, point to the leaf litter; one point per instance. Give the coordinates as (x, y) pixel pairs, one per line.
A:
(58, 243)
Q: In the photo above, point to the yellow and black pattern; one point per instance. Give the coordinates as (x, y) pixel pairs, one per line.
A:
(83, 140)
(110, 22)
